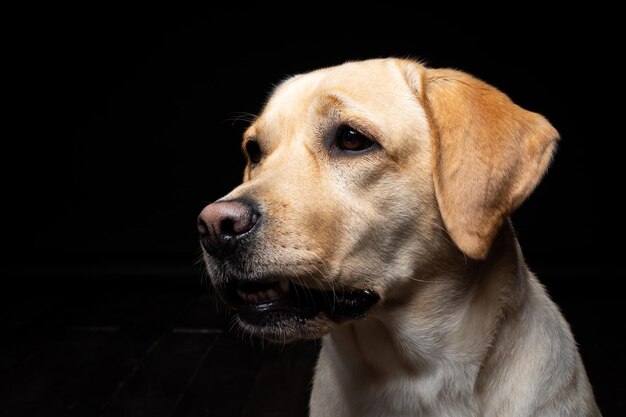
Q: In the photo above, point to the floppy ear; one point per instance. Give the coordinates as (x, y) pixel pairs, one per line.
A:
(488, 155)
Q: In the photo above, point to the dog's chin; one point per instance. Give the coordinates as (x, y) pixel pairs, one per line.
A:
(285, 328)
(282, 311)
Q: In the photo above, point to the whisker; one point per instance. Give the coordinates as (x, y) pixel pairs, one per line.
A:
(241, 117)
(332, 283)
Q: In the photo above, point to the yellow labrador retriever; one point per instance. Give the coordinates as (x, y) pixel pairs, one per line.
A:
(374, 213)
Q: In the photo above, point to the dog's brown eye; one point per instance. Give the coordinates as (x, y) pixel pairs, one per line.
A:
(254, 151)
(349, 139)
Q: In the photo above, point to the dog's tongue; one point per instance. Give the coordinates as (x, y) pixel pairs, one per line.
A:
(348, 305)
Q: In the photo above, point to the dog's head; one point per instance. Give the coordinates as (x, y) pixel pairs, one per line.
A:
(360, 179)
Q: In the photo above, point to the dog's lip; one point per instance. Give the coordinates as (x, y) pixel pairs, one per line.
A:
(255, 300)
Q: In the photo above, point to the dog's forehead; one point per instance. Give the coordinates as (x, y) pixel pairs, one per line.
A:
(359, 81)
(375, 88)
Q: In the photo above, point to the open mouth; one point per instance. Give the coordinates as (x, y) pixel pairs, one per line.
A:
(258, 302)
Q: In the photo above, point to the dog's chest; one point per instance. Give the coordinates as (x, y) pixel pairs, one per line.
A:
(400, 397)
(352, 382)
(344, 385)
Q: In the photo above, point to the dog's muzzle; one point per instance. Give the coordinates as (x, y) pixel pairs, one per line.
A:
(225, 225)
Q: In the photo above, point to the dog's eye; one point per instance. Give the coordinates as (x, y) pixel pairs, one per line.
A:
(349, 139)
(254, 151)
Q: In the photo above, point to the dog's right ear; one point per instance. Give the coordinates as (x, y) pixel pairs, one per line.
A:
(488, 153)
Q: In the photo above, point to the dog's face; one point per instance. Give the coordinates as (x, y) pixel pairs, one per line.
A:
(360, 179)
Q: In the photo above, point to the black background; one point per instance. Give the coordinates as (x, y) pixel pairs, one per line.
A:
(122, 123)
(126, 117)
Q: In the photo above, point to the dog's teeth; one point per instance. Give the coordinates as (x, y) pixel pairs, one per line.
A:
(266, 295)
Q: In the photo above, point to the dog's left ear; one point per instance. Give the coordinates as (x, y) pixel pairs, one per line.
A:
(488, 154)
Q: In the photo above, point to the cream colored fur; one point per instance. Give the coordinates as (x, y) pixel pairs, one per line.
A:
(463, 327)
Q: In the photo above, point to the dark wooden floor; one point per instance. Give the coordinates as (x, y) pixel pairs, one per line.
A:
(115, 353)
(116, 350)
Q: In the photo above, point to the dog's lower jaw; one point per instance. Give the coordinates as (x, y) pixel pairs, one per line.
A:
(282, 311)
(481, 356)
(288, 326)
(289, 329)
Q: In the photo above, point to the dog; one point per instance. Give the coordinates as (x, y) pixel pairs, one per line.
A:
(374, 214)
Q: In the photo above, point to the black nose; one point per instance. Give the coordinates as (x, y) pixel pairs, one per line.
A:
(221, 224)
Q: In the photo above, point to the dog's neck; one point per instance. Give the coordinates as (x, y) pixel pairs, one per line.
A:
(418, 335)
